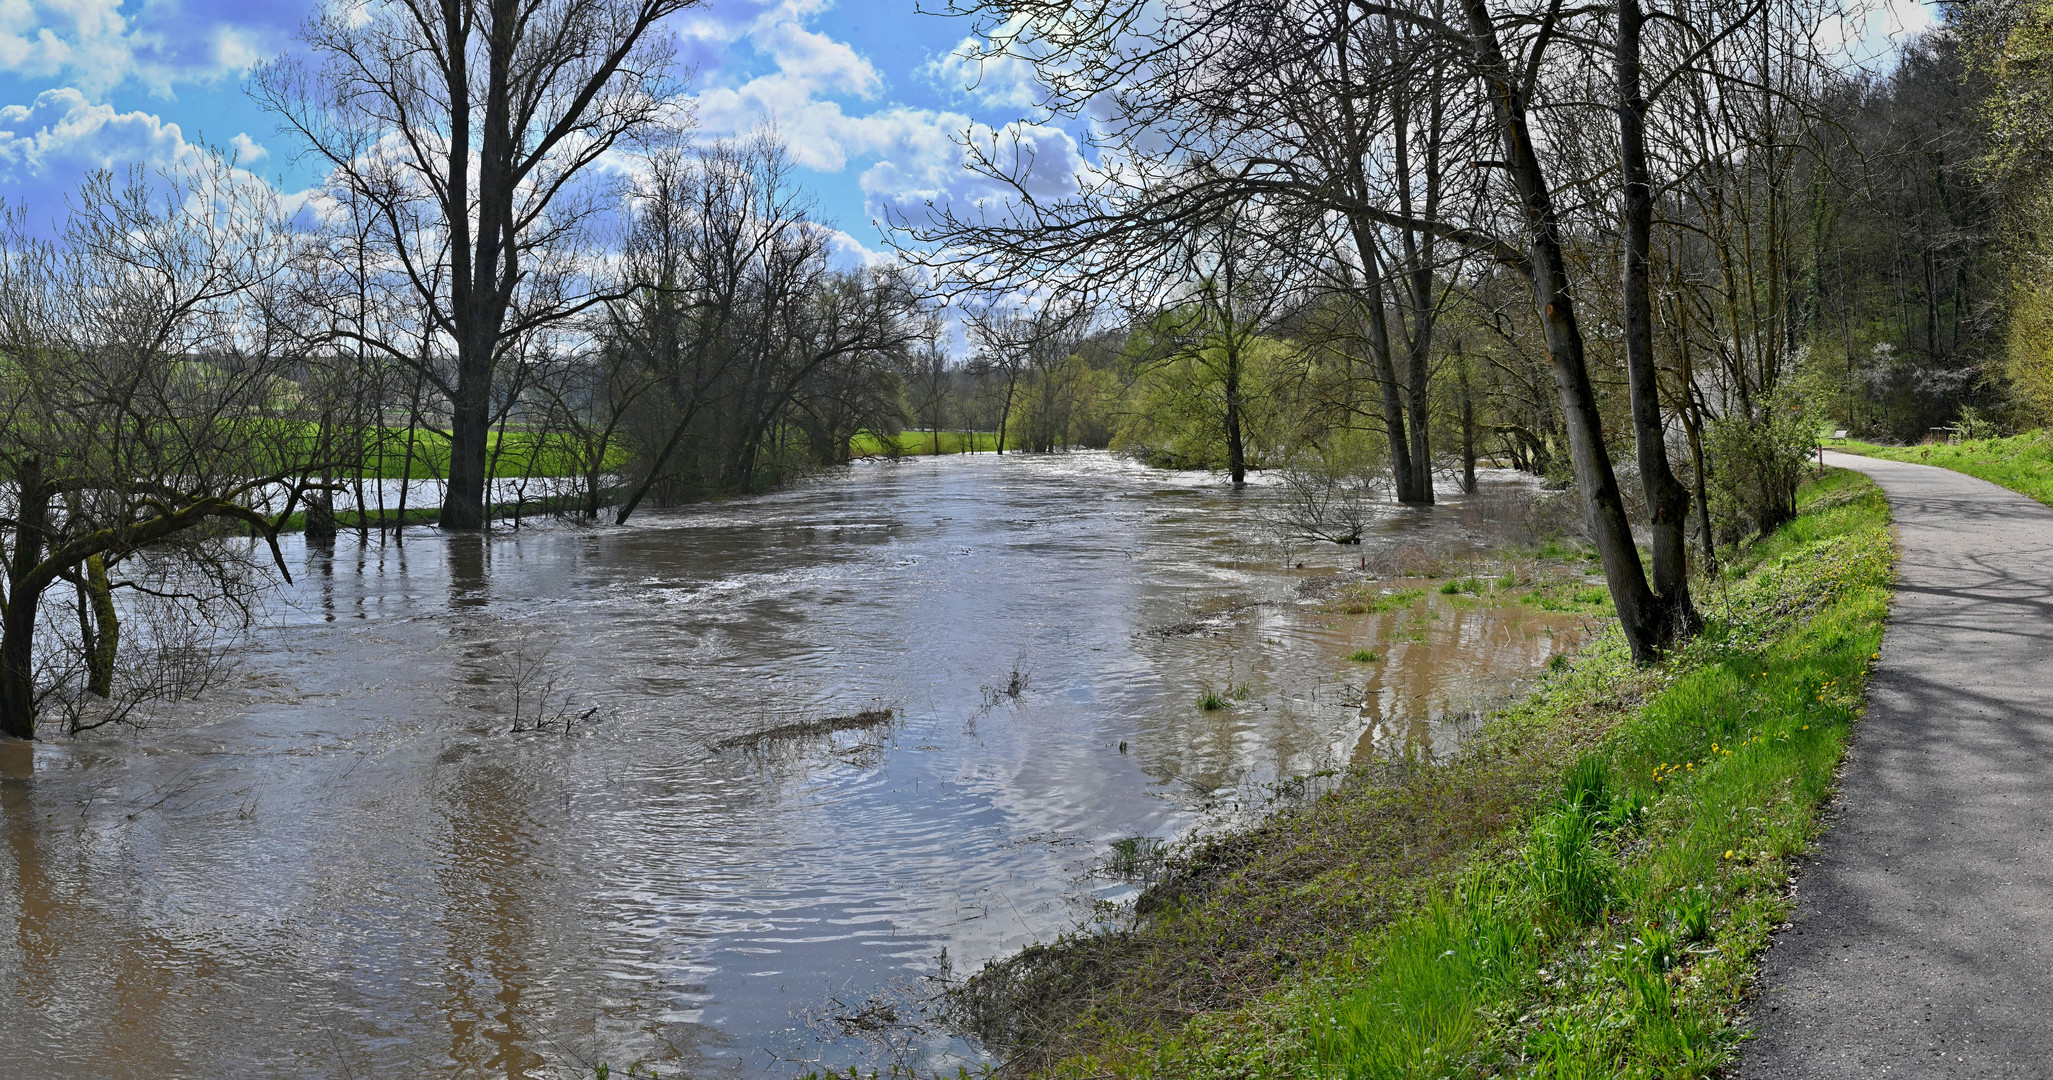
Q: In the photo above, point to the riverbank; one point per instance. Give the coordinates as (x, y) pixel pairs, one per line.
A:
(2022, 463)
(1584, 891)
(913, 443)
(536, 892)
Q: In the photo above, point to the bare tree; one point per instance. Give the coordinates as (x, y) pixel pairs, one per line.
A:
(1221, 282)
(466, 131)
(927, 385)
(1337, 122)
(1023, 335)
(736, 315)
(145, 397)
(1180, 79)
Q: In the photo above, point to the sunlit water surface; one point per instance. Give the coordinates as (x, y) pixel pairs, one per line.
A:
(345, 863)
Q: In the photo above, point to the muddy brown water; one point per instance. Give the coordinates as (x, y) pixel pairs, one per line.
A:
(343, 863)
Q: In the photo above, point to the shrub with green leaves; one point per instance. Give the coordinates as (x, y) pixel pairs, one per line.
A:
(1756, 463)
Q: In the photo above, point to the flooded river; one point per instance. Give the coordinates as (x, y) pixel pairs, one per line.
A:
(345, 863)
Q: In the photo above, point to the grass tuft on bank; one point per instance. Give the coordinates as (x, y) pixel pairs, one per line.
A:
(2022, 463)
(1584, 892)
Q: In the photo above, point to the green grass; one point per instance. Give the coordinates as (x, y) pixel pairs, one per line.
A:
(1211, 700)
(1585, 892)
(514, 453)
(1363, 656)
(2022, 463)
(348, 520)
(1395, 599)
(916, 443)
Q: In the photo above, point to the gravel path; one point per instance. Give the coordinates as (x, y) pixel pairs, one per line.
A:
(1922, 943)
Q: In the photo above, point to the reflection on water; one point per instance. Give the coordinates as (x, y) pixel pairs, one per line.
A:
(346, 863)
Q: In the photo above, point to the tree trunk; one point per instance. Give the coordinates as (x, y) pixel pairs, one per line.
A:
(320, 512)
(1416, 287)
(1005, 410)
(1236, 448)
(1696, 450)
(1468, 424)
(1416, 387)
(470, 425)
(1603, 508)
(106, 640)
(1693, 427)
(1667, 499)
(1386, 371)
(413, 426)
(18, 617)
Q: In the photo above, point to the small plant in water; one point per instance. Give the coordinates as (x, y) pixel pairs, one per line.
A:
(1136, 857)
(1210, 700)
(1363, 656)
(1241, 692)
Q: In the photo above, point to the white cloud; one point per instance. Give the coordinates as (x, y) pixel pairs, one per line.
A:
(95, 46)
(811, 70)
(1868, 33)
(247, 151)
(998, 80)
(821, 63)
(853, 253)
(49, 145)
(815, 92)
(63, 132)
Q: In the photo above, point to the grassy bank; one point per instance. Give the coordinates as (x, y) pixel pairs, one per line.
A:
(509, 454)
(350, 520)
(1583, 893)
(916, 443)
(2022, 463)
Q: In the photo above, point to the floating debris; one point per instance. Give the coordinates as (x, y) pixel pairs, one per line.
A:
(806, 729)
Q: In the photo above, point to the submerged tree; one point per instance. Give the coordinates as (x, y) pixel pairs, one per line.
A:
(466, 132)
(146, 400)
(747, 337)
(1528, 134)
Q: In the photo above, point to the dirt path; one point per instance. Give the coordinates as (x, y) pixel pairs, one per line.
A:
(1923, 939)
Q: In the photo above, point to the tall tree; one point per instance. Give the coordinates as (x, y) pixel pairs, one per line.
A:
(468, 128)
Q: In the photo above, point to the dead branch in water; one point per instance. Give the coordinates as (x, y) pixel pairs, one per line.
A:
(803, 729)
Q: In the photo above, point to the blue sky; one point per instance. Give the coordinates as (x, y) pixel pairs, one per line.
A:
(864, 91)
